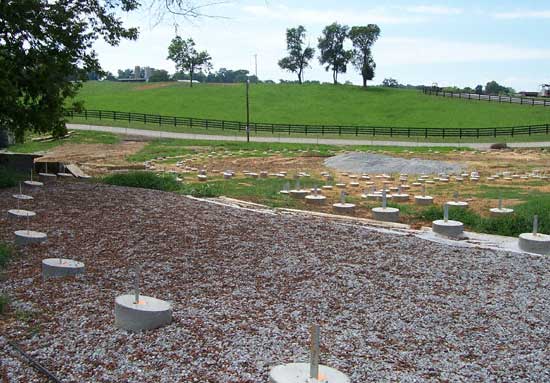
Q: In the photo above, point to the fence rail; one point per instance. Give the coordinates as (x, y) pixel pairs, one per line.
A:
(258, 127)
(486, 97)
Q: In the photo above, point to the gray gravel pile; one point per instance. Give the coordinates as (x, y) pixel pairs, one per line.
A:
(360, 162)
(245, 287)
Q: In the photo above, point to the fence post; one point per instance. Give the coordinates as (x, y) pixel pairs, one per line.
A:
(513, 131)
(289, 129)
(408, 132)
(322, 130)
(206, 124)
(191, 123)
(425, 132)
(144, 118)
(174, 121)
(159, 120)
(100, 115)
(305, 127)
(272, 128)
(391, 131)
(529, 129)
(86, 114)
(223, 124)
(546, 128)
(460, 133)
(356, 131)
(495, 132)
(477, 132)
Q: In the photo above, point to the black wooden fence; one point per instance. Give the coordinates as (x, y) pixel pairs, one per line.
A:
(258, 127)
(486, 97)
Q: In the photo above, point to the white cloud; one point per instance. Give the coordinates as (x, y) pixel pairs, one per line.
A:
(434, 10)
(523, 14)
(313, 16)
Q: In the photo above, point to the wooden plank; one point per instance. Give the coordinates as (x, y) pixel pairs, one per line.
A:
(76, 171)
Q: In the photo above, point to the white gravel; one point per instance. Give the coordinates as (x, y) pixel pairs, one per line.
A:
(360, 162)
(245, 286)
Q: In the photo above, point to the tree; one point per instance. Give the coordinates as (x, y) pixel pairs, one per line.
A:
(494, 87)
(299, 57)
(479, 89)
(187, 58)
(158, 75)
(45, 44)
(331, 46)
(363, 39)
(390, 83)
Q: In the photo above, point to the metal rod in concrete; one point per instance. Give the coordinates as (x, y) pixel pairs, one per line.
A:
(314, 352)
(500, 201)
(535, 225)
(343, 197)
(455, 196)
(136, 284)
(445, 212)
(384, 199)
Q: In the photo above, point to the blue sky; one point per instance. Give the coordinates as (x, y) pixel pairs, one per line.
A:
(457, 42)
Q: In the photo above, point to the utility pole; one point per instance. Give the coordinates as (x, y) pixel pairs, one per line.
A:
(247, 111)
(256, 65)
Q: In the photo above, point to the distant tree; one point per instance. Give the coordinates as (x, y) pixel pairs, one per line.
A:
(158, 75)
(124, 74)
(494, 87)
(363, 39)
(187, 58)
(332, 52)
(479, 89)
(109, 76)
(298, 57)
(390, 83)
(92, 76)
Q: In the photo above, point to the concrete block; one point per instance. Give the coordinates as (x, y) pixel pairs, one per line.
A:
(299, 373)
(449, 228)
(60, 267)
(535, 243)
(148, 314)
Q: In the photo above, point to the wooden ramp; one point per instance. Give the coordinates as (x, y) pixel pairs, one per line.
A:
(76, 171)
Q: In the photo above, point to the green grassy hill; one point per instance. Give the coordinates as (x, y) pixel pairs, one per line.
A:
(307, 104)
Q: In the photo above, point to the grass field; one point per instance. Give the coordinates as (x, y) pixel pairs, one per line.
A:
(307, 104)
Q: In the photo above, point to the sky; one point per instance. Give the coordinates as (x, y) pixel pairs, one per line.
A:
(460, 43)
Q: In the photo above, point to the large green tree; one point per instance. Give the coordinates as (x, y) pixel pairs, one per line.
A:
(187, 58)
(363, 38)
(332, 51)
(46, 50)
(298, 56)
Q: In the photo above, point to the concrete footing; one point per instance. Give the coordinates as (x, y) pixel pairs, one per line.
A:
(496, 212)
(20, 213)
(387, 214)
(423, 200)
(400, 197)
(302, 193)
(316, 199)
(47, 177)
(449, 228)
(535, 243)
(33, 183)
(29, 237)
(22, 197)
(149, 313)
(343, 207)
(202, 177)
(299, 373)
(60, 267)
(459, 204)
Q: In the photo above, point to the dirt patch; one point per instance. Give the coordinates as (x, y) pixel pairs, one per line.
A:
(96, 158)
(155, 85)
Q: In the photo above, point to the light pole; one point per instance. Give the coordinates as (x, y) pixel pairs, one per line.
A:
(247, 112)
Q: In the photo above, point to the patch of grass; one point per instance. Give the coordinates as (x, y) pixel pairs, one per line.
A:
(77, 137)
(9, 178)
(309, 104)
(177, 148)
(4, 303)
(521, 221)
(6, 253)
(507, 192)
(202, 190)
(145, 180)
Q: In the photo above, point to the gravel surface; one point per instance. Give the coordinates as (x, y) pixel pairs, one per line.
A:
(245, 286)
(358, 162)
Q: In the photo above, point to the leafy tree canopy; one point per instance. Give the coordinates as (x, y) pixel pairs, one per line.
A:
(332, 52)
(187, 58)
(43, 46)
(363, 39)
(298, 57)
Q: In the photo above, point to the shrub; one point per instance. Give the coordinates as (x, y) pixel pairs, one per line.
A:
(145, 180)
(9, 178)
(202, 190)
(6, 253)
(4, 302)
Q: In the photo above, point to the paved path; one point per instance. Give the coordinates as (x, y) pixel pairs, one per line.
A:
(298, 140)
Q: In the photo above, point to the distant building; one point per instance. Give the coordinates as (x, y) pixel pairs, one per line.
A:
(147, 73)
(137, 72)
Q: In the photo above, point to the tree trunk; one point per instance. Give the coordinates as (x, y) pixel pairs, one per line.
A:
(364, 81)
(191, 78)
(335, 77)
(300, 77)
